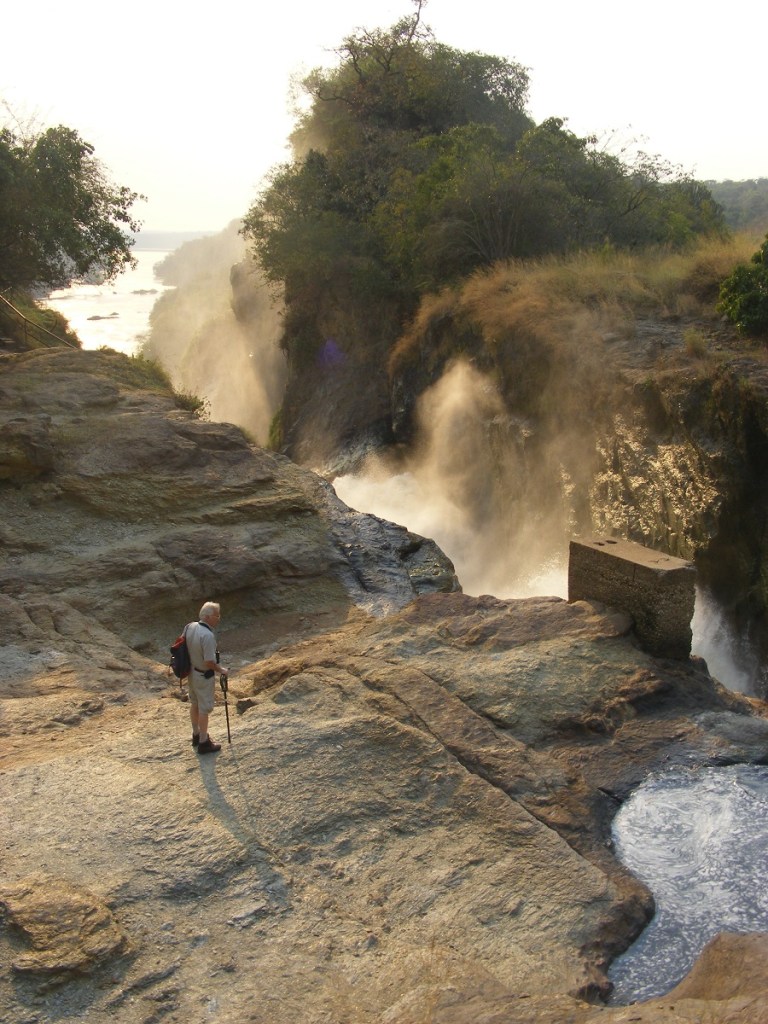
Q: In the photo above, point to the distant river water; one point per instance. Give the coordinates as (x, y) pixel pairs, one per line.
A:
(114, 314)
(117, 314)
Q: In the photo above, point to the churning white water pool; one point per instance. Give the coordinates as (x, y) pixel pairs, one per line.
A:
(698, 840)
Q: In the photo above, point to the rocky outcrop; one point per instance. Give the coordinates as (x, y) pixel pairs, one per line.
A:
(680, 470)
(412, 821)
(731, 966)
(114, 496)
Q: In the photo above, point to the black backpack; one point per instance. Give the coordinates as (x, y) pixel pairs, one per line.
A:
(181, 664)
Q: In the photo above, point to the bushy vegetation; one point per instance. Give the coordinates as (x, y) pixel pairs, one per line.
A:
(417, 164)
(61, 217)
(744, 294)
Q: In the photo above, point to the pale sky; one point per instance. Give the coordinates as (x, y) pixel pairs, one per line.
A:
(190, 105)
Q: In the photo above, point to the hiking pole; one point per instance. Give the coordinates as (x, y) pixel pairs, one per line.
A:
(224, 680)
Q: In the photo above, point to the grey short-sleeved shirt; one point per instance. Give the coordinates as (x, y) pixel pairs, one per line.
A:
(201, 642)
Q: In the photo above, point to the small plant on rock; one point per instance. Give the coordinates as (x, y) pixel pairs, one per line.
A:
(200, 407)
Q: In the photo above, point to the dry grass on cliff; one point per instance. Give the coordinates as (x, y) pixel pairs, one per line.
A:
(661, 282)
(554, 298)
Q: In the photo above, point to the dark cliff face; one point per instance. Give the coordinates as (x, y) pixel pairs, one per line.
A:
(625, 435)
(682, 470)
(337, 395)
(334, 410)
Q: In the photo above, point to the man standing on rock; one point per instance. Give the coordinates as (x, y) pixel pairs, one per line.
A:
(201, 643)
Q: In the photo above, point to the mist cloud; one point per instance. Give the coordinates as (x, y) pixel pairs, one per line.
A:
(468, 486)
(232, 362)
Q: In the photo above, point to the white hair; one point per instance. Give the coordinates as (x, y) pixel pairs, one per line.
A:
(209, 608)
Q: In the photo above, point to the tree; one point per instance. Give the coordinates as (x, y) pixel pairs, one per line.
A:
(745, 203)
(375, 156)
(61, 217)
(401, 84)
(416, 164)
(468, 207)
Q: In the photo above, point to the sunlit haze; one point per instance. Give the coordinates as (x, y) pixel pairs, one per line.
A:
(191, 106)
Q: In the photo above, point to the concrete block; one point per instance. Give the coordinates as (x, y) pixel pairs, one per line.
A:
(657, 590)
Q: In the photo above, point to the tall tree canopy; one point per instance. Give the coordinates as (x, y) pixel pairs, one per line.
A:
(374, 121)
(60, 215)
(417, 163)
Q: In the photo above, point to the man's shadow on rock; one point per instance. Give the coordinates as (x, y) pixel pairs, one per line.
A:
(239, 821)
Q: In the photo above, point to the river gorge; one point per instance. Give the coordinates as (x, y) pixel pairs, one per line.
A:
(503, 731)
(608, 426)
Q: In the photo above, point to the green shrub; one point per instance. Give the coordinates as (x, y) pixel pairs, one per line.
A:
(744, 295)
(30, 324)
(192, 403)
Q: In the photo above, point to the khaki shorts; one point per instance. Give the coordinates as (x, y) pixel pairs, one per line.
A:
(201, 691)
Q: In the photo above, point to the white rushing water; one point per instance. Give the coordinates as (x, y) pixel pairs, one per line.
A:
(697, 839)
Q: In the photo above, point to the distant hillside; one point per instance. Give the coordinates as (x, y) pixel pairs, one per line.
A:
(167, 240)
(745, 203)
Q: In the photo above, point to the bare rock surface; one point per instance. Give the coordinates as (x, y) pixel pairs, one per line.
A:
(411, 822)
